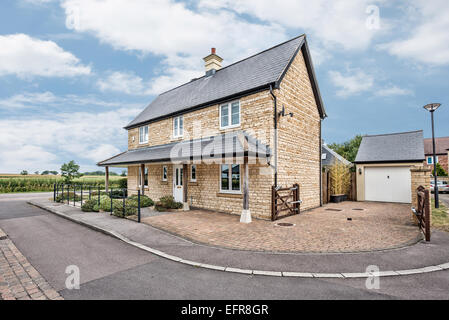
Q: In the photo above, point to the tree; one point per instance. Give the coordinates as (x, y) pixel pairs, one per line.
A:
(348, 149)
(24, 172)
(36, 172)
(45, 172)
(55, 173)
(440, 171)
(123, 173)
(70, 171)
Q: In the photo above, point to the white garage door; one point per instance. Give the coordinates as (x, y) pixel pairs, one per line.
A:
(389, 184)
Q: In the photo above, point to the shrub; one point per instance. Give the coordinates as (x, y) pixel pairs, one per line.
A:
(145, 201)
(129, 209)
(89, 206)
(70, 195)
(105, 203)
(170, 203)
(123, 183)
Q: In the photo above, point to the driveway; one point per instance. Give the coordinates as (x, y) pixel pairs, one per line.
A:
(343, 227)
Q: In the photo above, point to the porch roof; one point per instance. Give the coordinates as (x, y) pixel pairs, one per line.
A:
(229, 145)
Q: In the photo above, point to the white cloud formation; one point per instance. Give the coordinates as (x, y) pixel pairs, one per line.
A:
(44, 143)
(393, 91)
(177, 34)
(352, 83)
(48, 99)
(429, 34)
(26, 57)
(125, 82)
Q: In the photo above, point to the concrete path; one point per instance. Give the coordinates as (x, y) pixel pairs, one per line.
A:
(421, 255)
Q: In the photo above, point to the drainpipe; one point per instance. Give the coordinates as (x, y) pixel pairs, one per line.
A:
(275, 137)
(321, 168)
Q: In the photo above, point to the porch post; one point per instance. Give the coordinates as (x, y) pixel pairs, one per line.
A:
(142, 178)
(245, 217)
(106, 177)
(185, 203)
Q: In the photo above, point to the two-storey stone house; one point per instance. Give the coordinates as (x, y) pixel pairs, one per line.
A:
(221, 141)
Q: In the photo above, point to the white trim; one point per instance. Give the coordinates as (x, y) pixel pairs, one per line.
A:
(164, 168)
(140, 179)
(148, 134)
(196, 173)
(230, 191)
(229, 105)
(178, 133)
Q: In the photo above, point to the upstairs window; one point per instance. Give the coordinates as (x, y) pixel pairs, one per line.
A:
(178, 127)
(164, 173)
(230, 115)
(430, 159)
(143, 134)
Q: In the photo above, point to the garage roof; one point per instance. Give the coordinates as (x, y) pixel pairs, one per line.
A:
(394, 147)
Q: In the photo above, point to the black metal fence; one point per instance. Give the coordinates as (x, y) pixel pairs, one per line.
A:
(73, 194)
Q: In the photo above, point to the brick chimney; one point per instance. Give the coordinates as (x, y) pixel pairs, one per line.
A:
(212, 62)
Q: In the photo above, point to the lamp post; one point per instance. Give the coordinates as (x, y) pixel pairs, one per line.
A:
(431, 108)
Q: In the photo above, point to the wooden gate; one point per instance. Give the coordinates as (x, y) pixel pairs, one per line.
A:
(284, 200)
(423, 211)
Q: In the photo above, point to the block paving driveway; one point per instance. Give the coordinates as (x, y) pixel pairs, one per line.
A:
(341, 227)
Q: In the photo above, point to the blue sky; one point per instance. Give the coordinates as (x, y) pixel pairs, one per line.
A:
(74, 72)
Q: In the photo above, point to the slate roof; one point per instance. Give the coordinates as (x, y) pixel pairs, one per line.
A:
(216, 147)
(395, 147)
(243, 77)
(331, 156)
(441, 145)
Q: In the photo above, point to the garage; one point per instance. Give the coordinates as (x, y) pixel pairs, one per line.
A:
(389, 184)
(383, 164)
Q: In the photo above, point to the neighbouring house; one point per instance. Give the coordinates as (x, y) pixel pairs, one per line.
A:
(214, 143)
(330, 157)
(386, 164)
(441, 151)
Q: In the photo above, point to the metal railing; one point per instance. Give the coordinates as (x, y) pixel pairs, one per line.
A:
(71, 194)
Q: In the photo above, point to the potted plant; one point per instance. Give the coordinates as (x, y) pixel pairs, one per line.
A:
(340, 182)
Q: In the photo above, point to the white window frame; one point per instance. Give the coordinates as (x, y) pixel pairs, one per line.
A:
(431, 159)
(229, 105)
(191, 171)
(178, 132)
(164, 173)
(140, 135)
(230, 179)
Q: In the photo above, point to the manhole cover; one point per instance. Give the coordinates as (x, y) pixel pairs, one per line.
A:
(331, 209)
(285, 224)
(358, 209)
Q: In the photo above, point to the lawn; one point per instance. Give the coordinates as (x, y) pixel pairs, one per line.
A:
(440, 217)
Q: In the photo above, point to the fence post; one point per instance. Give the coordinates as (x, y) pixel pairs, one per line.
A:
(427, 213)
(98, 195)
(62, 190)
(124, 206)
(74, 195)
(57, 189)
(90, 189)
(138, 206)
(54, 192)
(68, 194)
(110, 195)
(81, 195)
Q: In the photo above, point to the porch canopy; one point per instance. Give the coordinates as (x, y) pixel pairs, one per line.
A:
(224, 146)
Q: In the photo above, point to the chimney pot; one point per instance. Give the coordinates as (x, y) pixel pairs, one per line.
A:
(212, 50)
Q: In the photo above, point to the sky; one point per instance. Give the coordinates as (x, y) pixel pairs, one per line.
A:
(73, 73)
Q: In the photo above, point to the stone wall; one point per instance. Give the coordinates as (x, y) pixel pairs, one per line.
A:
(299, 136)
(420, 177)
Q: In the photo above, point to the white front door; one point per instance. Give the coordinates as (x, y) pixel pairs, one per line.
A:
(389, 184)
(177, 183)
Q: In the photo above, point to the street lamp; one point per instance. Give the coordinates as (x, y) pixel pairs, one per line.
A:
(431, 107)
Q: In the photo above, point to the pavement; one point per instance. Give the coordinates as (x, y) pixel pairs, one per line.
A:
(444, 197)
(390, 262)
(112, 269)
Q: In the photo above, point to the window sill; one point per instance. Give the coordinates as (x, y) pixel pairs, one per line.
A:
(164, 182)
(230, 127)
(229, 195)
(193, 183)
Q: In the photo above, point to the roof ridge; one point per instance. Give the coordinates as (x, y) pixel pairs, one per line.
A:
(239, 61)
(391, 134)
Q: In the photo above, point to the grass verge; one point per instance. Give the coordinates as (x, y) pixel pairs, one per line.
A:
(440, 217)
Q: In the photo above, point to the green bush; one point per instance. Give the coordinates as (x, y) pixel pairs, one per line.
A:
(105, 203)
(145, 201)
(123, 183)
(167, 202)
(129, 209)
(90, 205)
(69, 195)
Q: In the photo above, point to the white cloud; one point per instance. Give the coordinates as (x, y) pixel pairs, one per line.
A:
(429, 34)
(172, 31)
(44, 143)
(27, 57)
(393, 91)
(125, 82)
(341, 22)
(48, 99)
(353, 82)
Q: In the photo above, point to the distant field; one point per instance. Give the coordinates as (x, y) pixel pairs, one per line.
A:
(34, 183)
